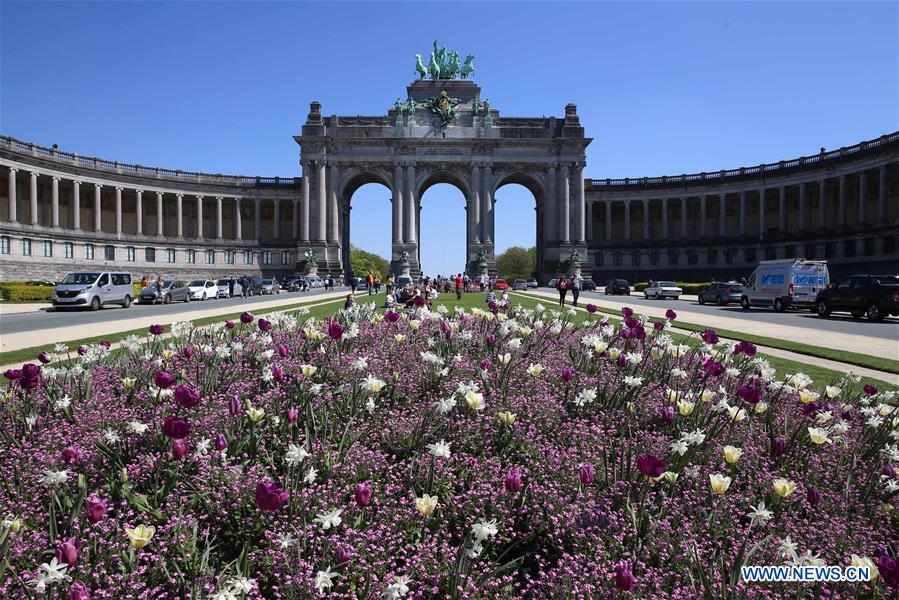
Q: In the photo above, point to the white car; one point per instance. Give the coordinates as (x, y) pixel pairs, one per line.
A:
(202, 289)
(663, 289)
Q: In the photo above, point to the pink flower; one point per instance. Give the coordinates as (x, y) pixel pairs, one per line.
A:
(586, 473)
(270, 496)
(651, 466)
(67, 551)
(624, 578)
(96, 508)
(512, 481)
(179, 449)
(362, 492)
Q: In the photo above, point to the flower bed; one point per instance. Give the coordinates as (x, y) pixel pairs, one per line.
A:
(437, 454)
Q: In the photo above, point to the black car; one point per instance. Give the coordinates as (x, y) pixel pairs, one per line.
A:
(588, 285)
(291, 283)
(618, 287)
(721, 293)
(874, 296)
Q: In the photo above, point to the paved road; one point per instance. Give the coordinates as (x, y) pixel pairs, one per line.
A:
(836, 324)
(49, 319)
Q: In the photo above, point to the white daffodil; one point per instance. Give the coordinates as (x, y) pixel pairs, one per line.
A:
(285, 541)
(818, 436)
(137, 427)
(633, 382)
(311, 474)
(323, 580)
(440, 450)
(585, 397)
(760, 515)
(52, 478)
(535, 370)
(445, 405)
(329, 519)
(484, 530)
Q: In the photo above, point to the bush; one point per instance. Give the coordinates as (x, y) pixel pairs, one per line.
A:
(23, 292)
(689, 288)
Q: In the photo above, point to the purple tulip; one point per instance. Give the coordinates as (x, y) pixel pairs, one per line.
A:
(157, 329)
(221, 442)
(335, 330)
(813, 495)
(490, 339)
(811, 409)
(187, 396)
(44, 358)
(187, 352)
(627, 312)
(869, 389)
(235, 407)
(72, 455)
(658, 326)
(889, 471)
(585, 473)
(229, 324)
(670, 315)
(778, 446)
(591, 308)
(362, 492)
(419, 301)
(12, 374)
(264, 325)
(292, 414)
(485, 364)
(651, 466)
(175, 428)
(344, 556)
(96, 508)
(666, 415)
(82, 350)
(105, 344)
(746, 348)
(631, 322)
(713, 367)
(621, 361)
(749, 394)
(624, 578)
(79, 591)
(163, 379)
(283, 351)
(566, 374)
(270, 496)
(492, 306)
(391, 316)
(889, 570)
(709, 336)
(246, 317)
(67, 551)
(512, 481)
(278, 373)
(179, 449)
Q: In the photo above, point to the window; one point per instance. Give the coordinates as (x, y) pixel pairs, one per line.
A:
(48, 248)
(104, 280)
(68, 249)
(190, 256)
(712, 256)
(210, 257)
(635, 258)
(750, 255)
(150, 254)
(285, 257)
(889, 244)
(169, 255)
(88, 252)
(848, 248)
(229, 257)
(267, 257)
(790, 251)
(26, 247)
(810, 251)
(121, 278)
(616, 259)
(654, 258)
(599, 259)
(248, 257)
(770, 253)
(4, 244)
(129, 253)
(730, 255)
(109, 253)
(673, 257)
(829, 249)
(869, 246)
(692, 257)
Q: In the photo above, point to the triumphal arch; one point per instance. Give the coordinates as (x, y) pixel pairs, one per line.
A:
(444, 131)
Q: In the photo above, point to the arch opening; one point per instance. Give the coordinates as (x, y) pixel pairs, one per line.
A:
(366, 227)
(442, 228)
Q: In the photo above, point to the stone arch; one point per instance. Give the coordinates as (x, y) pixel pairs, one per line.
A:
(453, 178)
(534, 181)
(350, 182)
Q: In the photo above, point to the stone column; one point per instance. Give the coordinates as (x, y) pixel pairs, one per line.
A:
(159, 222)
(118, 211)
(35, 220)
(645, 219)
(862, 211)
(722, 215)
(13, 217)
(551, 213)
(627, 220)
(579, 202)
(410, 221)
(475, 211)
(321, 231)
(665, 232)
(218, 217)
(742, 214)
(276, 205)
(702, 216)
(782, 209)
(882, 197)
(257, 219)
(139, 210)
(762, 214)
(179, 214)
(683, 217)
(333, 216)
(564, 205)
(803, 209)
(841, 208)
(238, 221)
(200, 217)
(304, 201)
(54, 203)
(487, 221)
(396, 205)
(296, 219)
(608, 221)
(822, 203)
(97, 212)
(589, 221)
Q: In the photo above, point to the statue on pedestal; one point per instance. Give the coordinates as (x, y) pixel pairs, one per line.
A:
(311, 264)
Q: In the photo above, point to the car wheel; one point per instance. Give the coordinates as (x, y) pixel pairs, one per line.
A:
(874, 313)
(95, 304)
(126, 302)
(823, 308)
(744, 302)
(167, 299)
(779, 305)
(701, 299)
(721, 301)
(187, 298)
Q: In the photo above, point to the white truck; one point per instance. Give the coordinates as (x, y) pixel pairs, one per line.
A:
(786, 283)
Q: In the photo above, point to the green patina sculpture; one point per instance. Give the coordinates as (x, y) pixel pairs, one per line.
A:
(410, 106)
(444, 107)
(404, 257)
(575, 257)
(309, 255)
(482, 258)
(444, 64)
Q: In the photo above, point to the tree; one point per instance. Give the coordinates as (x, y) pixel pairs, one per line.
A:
(517, 263)
(362, 262)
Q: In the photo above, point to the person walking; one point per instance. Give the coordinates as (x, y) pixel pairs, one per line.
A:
(459, 284)
(354, 282)
(370, 280)
(377, 284)
(389, 283)
(576, 283)
(562, 287)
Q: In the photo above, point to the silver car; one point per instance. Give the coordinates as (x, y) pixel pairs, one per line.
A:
(270, 286)
(94, 290)
(520, 284)
(228, 288)
(172, 291)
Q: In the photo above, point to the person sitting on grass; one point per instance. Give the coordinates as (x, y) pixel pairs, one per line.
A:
(433, 294)
(350, 302)
(504, 300)
(491, 297)
(390, 300)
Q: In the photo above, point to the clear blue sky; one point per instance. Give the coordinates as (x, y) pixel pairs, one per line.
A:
(663, 88)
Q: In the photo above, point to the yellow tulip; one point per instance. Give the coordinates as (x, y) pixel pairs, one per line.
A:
(507, 417)
(308, 370)
(426, 505)
(784, 487)
(685, 408)
(141, 535)
(732, 454)
(719, 483)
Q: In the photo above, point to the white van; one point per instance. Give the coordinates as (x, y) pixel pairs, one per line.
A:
(93, 290)
(785, 283)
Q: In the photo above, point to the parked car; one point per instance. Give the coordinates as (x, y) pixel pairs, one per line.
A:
(874, 296)
(172, 291)
(228, 288)
(500, 284)
(94, 290)
(520, 284)
(618, 287)
(270, 286)
(202, 289)
(314, 282)
(785, 283)
(588, 285)
(721, 293)
(662, 289)
(532, 283)
(552, 283)
(291, 283)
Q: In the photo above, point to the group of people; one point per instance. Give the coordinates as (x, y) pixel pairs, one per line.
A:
(563, 284)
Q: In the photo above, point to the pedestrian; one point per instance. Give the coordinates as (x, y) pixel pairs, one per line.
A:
(353, 283)
(459, 285)
(389, 283)
(350, 302)
(576, 284)
(562, 287)
(305, 283)
(370, 280)
(231, 288)
(377, 284)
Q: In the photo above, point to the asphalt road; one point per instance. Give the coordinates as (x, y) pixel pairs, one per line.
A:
(52, 319)
(690, 311)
